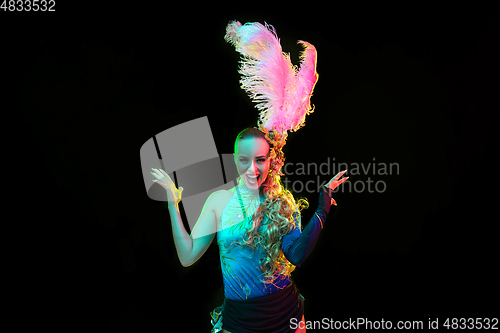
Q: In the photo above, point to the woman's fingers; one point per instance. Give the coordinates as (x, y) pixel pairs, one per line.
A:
(342, 180)
(160, 183)
(160, 174)
(166, 182)
(334, 182)
(338, 182)
(156, 173)
(336, 177)
(165, 174)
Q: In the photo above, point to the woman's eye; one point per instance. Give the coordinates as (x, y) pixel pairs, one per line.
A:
(261, 160)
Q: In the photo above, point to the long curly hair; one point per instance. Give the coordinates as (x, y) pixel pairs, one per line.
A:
(279, 206)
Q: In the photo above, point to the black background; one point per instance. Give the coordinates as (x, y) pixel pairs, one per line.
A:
(413, 84)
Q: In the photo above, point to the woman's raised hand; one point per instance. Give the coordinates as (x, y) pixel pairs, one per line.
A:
(173, 194)
(336, 181)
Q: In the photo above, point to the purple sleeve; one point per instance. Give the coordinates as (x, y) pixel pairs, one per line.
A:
(297, 245)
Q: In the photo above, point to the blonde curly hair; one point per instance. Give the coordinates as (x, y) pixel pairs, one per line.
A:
(279, 206)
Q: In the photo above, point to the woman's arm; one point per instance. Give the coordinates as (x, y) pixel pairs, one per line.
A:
(191, 247)
(297, 245)
(182, 240)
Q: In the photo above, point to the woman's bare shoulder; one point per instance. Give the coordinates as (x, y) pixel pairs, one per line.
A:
(219, 200)
(222, 195)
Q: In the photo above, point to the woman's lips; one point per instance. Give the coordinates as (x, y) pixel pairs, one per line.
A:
(252, 180)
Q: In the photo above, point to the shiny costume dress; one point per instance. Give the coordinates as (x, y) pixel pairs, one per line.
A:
(241, 265)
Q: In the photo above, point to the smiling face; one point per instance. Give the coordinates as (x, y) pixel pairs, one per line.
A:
(252, 160)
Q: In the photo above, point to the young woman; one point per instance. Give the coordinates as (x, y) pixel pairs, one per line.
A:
(258, 229)
(257, 223)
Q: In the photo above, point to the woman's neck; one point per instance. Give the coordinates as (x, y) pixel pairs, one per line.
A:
(251, 194)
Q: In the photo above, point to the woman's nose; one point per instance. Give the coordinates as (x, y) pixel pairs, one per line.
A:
(253, 166)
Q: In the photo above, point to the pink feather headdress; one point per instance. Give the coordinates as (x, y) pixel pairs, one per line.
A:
(281, 90)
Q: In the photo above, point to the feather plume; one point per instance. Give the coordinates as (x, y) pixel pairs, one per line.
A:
(282, 92)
